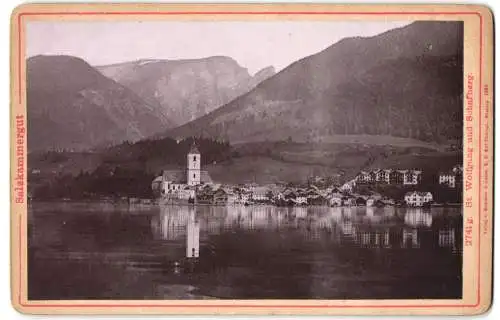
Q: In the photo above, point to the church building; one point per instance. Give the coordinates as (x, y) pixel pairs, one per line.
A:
(193, 166)
(181, 183)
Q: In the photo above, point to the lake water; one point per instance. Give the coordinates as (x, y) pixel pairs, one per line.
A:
(101, 251)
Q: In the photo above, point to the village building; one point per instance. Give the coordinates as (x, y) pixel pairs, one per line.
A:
(379, 175)
(376, 195)
(373, 176)
(280, 196)
(404, 176)
(387, 201)
(451, 178)
(360, 201)
(181, 184)
(396, 177)
(261, 194)
(348, 186)
(386, 176)
(186, 193)
(244, 197)
(205, 194)
(370, 202)
(335, 199)
(220, 197)
(411, 177)
(301, 199)
(448, 179)
(417, 199)
(289, 194)
(349, 201)
(315, 196)
(232, 197)
(327, 191)
(364, 177)
(457, 169)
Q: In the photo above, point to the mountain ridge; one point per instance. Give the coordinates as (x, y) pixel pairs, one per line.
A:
(314, 87)
(186, 88)
(72, 105)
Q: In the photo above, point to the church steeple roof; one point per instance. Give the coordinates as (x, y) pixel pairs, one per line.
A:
(194, 149)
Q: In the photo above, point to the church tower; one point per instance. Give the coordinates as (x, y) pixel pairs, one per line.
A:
(193, 166)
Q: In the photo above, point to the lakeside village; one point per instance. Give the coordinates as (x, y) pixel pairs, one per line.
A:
(195, 186)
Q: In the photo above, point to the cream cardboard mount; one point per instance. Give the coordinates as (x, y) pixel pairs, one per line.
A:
(251, 159)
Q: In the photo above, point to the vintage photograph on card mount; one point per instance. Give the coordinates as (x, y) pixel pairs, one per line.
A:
(251, 159)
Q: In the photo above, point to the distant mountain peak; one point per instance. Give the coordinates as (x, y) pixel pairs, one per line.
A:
(186, 89)
(269, 70)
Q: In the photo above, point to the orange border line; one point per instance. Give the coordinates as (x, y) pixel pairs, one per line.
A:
(19, 58)
(20, 258)
(480, 159)
(245, 12)
(19, 21)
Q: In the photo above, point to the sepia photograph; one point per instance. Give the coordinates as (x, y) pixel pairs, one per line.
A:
(258, 159)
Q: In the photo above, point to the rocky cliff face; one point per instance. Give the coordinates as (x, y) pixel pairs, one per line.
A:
(186, 89)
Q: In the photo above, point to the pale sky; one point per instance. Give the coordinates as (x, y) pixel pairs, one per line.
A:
(253, 44)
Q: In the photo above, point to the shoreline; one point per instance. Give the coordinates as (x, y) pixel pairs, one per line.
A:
(158, 203)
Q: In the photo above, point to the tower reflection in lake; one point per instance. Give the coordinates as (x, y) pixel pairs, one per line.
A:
(238, 252)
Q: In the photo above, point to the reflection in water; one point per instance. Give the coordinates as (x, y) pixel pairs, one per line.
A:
(376, 239)
(365, 227)
(410, 237)
(171, 225)
(246, 252)
(370, 211)
(193, 236)
(447, 238)
(418, 217)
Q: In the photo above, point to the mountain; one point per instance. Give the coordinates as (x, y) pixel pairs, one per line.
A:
(186, 89)
(406, 82)
(72, 105)
(262, 75)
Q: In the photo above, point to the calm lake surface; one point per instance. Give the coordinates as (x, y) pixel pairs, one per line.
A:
(102, 251)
